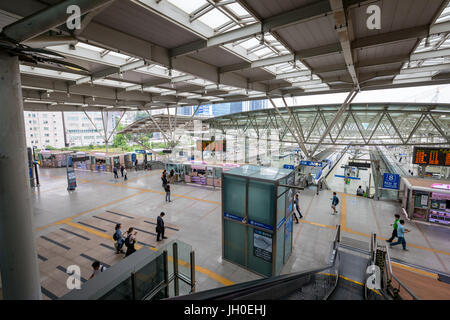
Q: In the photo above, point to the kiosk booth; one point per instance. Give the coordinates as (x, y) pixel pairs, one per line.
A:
(203, 173)
(426, 200)
(178, 169)
(257, 208)
(106, 161)
(81, 160)
(53, 158)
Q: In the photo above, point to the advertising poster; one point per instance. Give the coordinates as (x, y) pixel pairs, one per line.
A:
(262, 245)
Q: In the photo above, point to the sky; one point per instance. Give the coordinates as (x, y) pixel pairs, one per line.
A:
(415, 94)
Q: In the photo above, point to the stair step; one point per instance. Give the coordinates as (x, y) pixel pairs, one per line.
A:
(358, 244)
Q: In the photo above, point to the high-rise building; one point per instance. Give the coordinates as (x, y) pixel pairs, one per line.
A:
(44, 129)
(204, 110)
(257, 104)
(186, 111)
(81, 132)
(236, 107)
(220, 109)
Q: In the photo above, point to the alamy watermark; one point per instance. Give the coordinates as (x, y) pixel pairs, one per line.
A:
(374, 20)
(74, 279)
(73, 22)
(374, 280)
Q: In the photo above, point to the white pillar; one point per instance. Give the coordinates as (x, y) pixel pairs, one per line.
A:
(18, 257)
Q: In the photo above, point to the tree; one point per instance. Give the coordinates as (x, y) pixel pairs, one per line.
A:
(120, 139)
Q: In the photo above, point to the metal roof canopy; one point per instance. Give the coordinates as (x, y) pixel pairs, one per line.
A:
(145, 54)
(360, 124)
(161, 123)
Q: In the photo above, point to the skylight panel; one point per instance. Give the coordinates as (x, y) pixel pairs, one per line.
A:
(120, 55)
(249, 43)
(88, 46)
(237, 9)
(214, 18)
(112, 83)
(188, 6)
(263, 51)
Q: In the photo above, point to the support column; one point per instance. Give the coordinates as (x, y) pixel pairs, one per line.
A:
(246, 150)
(18, 256)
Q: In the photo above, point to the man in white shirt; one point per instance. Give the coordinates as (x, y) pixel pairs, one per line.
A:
(97, 268)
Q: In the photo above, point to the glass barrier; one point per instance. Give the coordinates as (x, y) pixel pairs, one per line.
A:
(144, 275)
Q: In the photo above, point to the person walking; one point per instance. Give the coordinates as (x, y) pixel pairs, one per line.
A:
(334, 202)
(167, 189)
(125, 174)
(360, 192)
(401, 235)
(121, 169)
(297, 207)
(118, 237)
(116, 176)
(160, 227)
(130, 241)
(164, 179)
(136, 165)
(97, 268)
(395, 226)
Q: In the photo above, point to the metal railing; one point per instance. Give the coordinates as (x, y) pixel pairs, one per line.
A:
(276, 288)
(396, 288)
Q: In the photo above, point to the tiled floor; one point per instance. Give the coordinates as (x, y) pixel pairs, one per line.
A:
(196, 212)
(85, 241)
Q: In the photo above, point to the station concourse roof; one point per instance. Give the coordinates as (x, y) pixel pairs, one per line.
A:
(152, 54)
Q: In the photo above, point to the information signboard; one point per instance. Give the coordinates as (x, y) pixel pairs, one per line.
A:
(431, 156)
(391, 181)
(262, 245)
(208, 145)
(71, 179)
(311, 163)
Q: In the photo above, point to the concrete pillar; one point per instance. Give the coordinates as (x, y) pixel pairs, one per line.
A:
(18, 257)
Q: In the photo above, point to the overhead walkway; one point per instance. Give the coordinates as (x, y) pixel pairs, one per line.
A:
(344, 278)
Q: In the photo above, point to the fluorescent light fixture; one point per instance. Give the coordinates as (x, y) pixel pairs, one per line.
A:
(168, 92)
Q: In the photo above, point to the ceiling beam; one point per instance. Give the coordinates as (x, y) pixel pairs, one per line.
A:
(47, 19)
(343, 28)
(270, 24)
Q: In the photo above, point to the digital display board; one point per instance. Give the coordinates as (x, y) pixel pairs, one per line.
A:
(208, 145)
(431, 156)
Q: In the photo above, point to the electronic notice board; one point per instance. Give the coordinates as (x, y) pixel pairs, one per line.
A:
(208, 145)
(431, 156)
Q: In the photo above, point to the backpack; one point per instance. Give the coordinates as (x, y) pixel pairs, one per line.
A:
(127, 241)
(115, 236)
(337, 200)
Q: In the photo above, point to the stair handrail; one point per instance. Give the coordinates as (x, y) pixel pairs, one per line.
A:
(391, 275)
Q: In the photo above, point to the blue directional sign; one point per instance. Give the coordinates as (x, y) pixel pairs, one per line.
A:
(140, 151)
(260, 224)
(232, 216)
(288, 166)
(391, 181)
(311, 163)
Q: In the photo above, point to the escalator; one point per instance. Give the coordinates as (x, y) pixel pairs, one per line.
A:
(344, 278)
